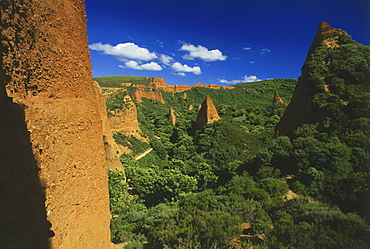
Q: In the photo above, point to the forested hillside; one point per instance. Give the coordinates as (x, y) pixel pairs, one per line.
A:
(239, 182)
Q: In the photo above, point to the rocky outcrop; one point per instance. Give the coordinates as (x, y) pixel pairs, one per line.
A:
(207, 113)
(172, 116)
(54, 191)
(125, 120)
(149, 94)
(277, 99)
(184, 96)
(153, 90)
(160, 83)
(300, 110)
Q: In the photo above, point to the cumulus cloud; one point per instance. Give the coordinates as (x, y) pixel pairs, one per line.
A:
(152, 66)
(245, 79)
(178, 67)
(125, 51)
(181, 74)
(202, 53)
(165, 59)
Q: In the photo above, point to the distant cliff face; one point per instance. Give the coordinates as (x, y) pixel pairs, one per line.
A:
(149, 94)
(207, 113)
(301, 109)
(54, 173)
(161, 84)
(125, 120)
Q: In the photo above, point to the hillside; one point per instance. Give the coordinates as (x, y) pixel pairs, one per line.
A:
(233, 182)
(120, 80)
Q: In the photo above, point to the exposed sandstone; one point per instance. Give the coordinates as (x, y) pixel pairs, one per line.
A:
(172, 116)
(55, 179)
(278, 99)
(161, 84)
(207, 113)
(155, 95)
(126, 119)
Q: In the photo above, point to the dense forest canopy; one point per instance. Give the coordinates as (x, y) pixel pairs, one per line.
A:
(234, 183)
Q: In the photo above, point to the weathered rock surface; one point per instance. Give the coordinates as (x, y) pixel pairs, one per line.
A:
(125, 120)
(161, 84)
(300, 110)
(172, 116)
(54, 174)
(278, 99)
(207, 113)
(149, 94)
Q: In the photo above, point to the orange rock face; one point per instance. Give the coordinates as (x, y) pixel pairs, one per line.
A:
(207, 113)
(54, 170)
(125, 120)
(139, 94)
(277, 98)
(161, 84)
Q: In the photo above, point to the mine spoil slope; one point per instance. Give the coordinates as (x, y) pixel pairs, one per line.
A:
(53, 177)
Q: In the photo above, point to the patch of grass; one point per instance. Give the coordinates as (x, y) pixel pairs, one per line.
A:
(115, 81)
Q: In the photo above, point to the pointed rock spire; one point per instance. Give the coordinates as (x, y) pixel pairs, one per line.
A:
(207, 113)
(300, 109)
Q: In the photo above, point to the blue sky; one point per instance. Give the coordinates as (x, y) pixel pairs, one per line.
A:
(213, 41)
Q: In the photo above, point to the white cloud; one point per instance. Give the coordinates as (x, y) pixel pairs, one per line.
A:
(152, 66)
(265, 50)
(201, 53)
(252, 62)
(125, 51)
(245, 79)
(178, 67)
(181, 74)
(247, 48)
(165, 59)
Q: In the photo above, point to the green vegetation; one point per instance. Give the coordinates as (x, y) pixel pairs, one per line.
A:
(116, 81)
(205, 188)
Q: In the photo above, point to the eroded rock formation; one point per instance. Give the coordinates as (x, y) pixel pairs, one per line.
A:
(207, 113)
(300, 110)
(278, 99)
(172, 116)
(159, 83)
(149, 94)
(125, 120)
(54, 190)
